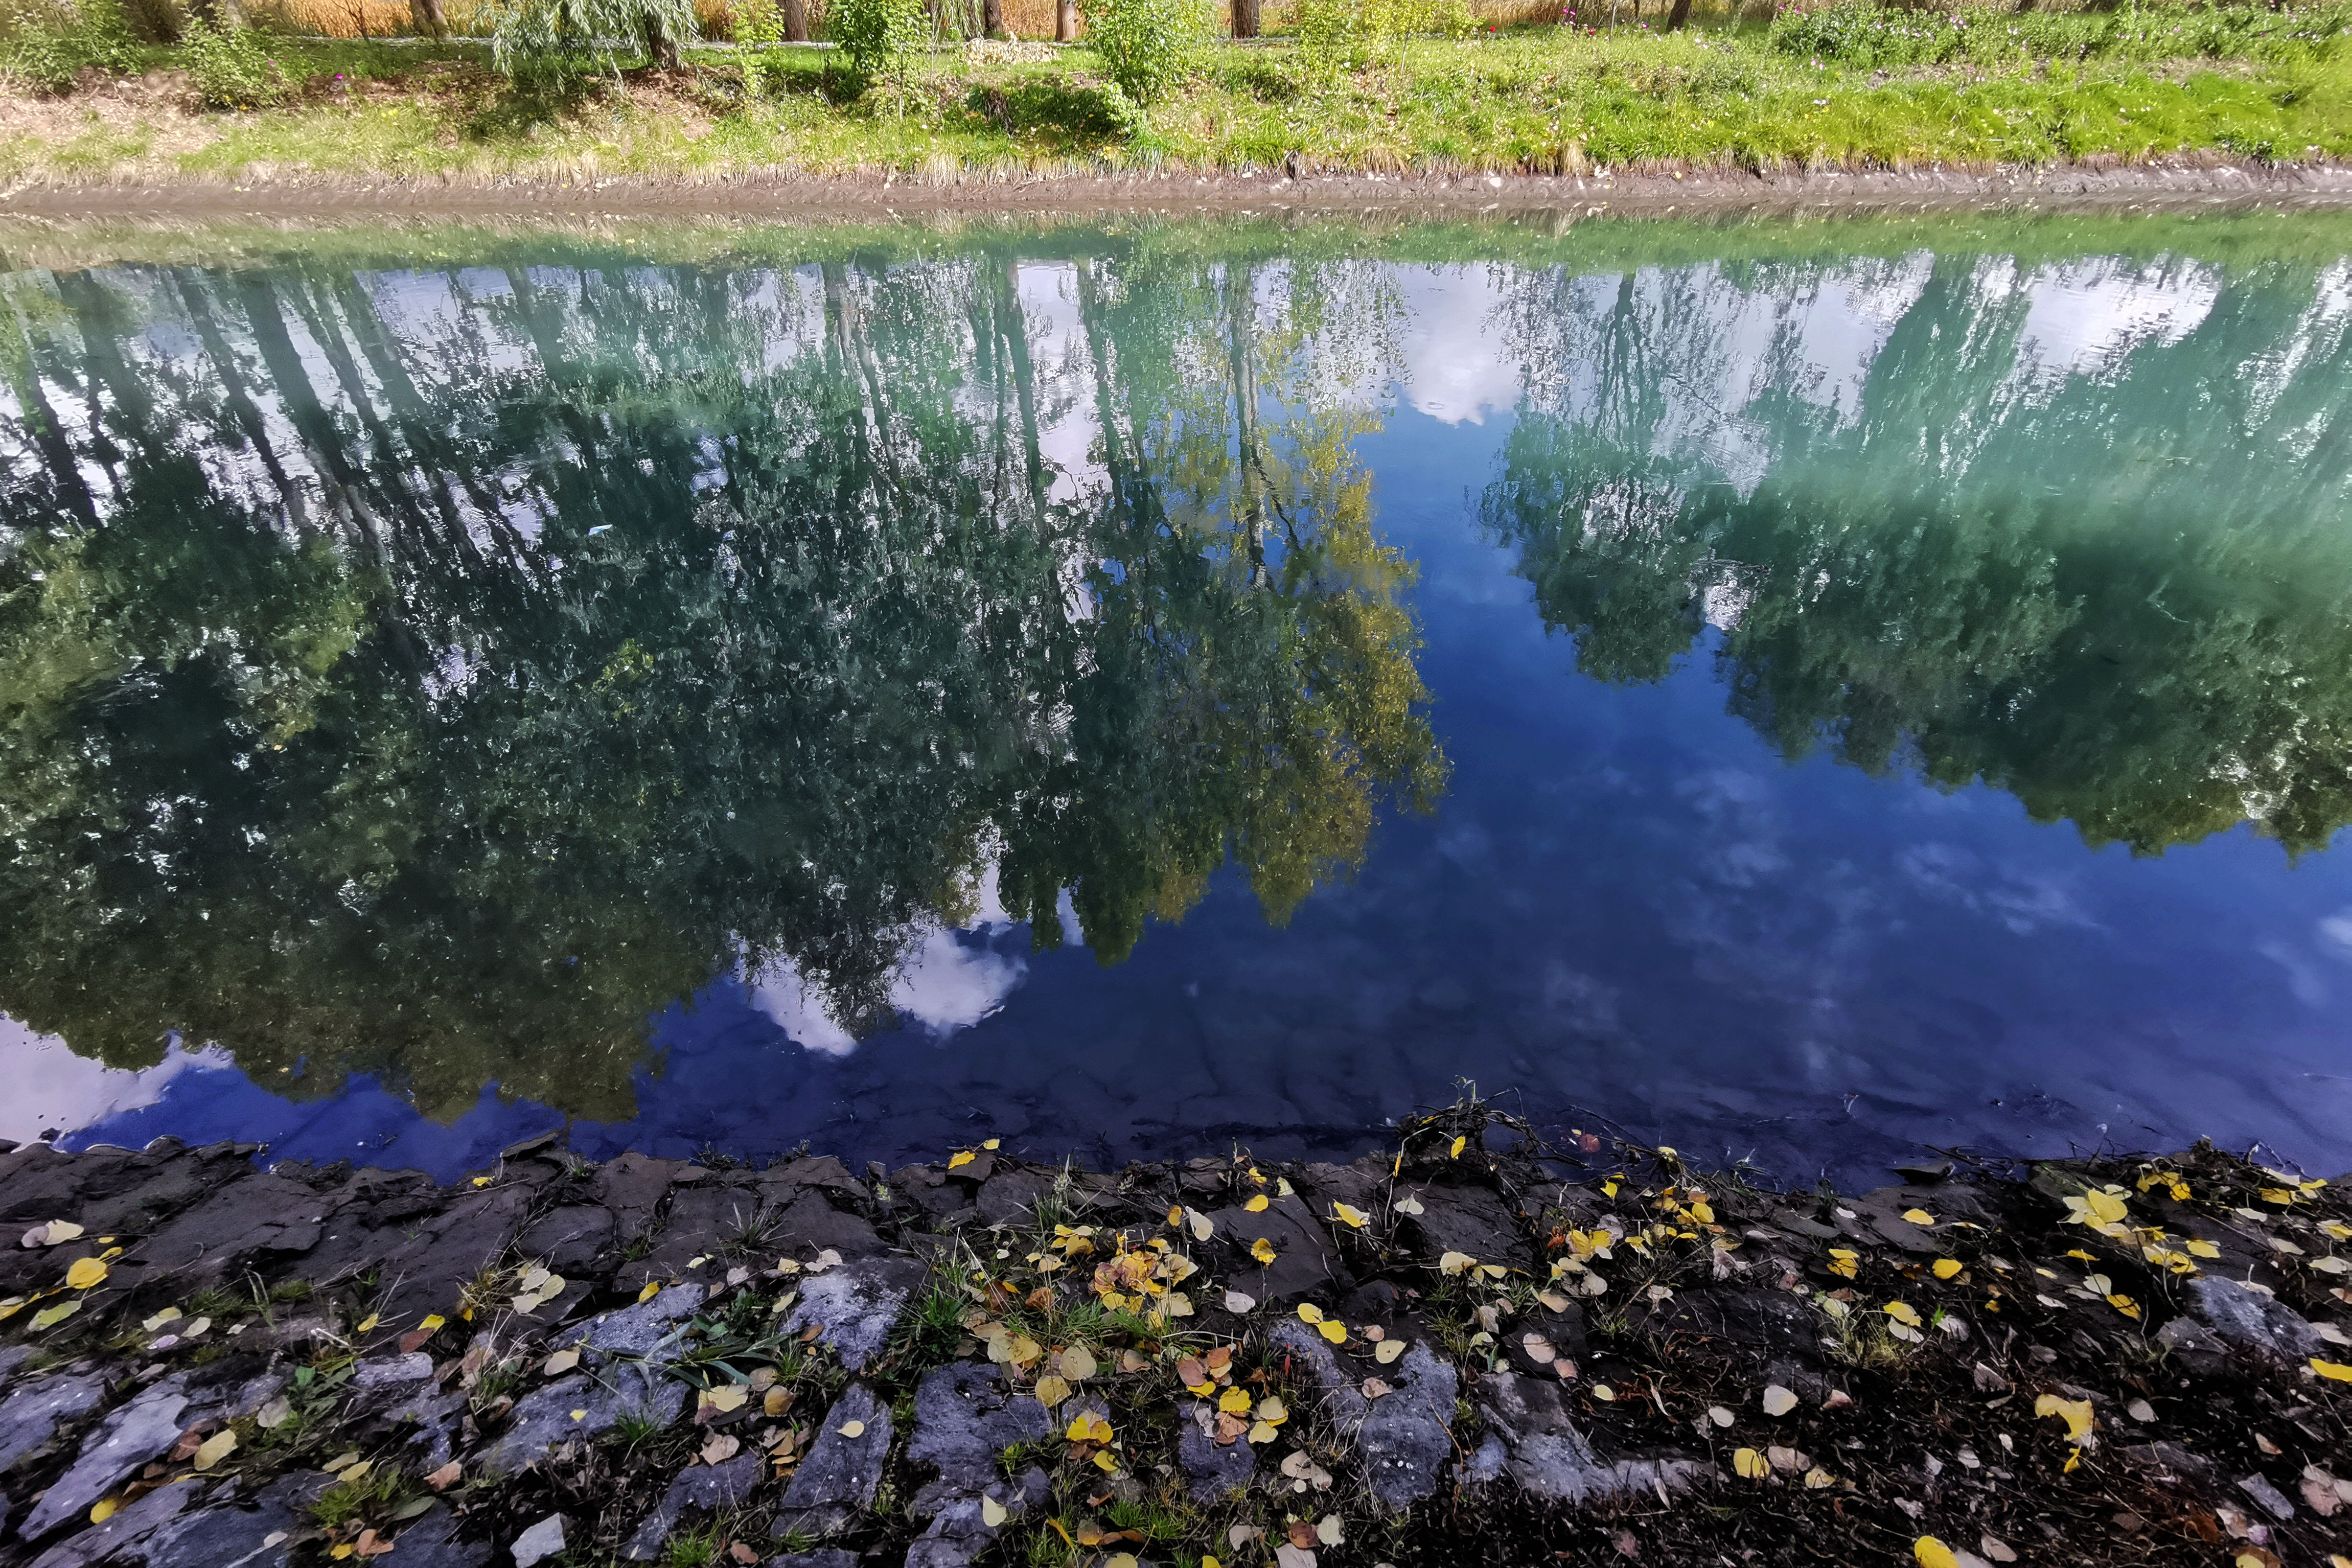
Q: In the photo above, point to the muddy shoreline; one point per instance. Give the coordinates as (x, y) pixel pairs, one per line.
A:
(2179, 185)
(1471, 1347)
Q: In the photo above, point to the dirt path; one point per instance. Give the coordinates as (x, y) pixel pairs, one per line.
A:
(2179, 186)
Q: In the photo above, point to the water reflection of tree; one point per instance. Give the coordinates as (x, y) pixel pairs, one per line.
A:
(2120, 593)
(443, 707)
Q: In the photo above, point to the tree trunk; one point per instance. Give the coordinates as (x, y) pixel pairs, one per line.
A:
(992, 18)
(1065, 21)
(429, 18)
(796, 21)
(1245, 18)
(1678, 16)
(659, 45)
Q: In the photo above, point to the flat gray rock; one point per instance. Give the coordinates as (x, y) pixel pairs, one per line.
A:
(2252, 1320)
(1011, 1196)
(126, 1532)
(1551, 1459)
(540, 1542)
(1304, 1261)
(636, 1330)
(856, 1306)
(545, 1417)
(835, 1479)
(1486, 1464)
(824, 1557)
(11, 1358)
(432, 1542)
(1211, 1469)
(706, 1487)
(166, 1531)
(392, 1372)
(965, 1415)
(121, 1443)
(1404, 1438)
(38, 1407)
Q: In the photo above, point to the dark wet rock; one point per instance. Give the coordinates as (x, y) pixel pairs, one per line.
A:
(965, 1415)
(1472, 1220)
(810, 1225)
(2172, 1461)
(702, 1220)
(540, 1542)
(1211, 1469)
(632, 1186)
(1773, 1321)
(2198, 1348)
(124, 1441)
(1010, 1196)
(704, 1487)
(928, 1188)
(1362, 1186)
(199, 1528)
(435, 1417)
(820, 1172)
(636, 1330)
(856, 1306)
(432, 1542)
(1304, 1262)
(35, 1408)
(1802, 1226)
(12, 1357)
(1550, 1458)
(570, 1240)
(250, 1223)
(2253, 1320)
(1926, 1172)
(835, 1479)
(546, 1417)
(957, 1533)
(1402, 1439)
(824, 1557)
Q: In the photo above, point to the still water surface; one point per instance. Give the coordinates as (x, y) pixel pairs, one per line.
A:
(1798, 691)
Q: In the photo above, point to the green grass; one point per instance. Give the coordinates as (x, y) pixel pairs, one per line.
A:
(1851, 87)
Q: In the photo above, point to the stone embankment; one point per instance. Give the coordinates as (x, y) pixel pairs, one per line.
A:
(1471, 1347)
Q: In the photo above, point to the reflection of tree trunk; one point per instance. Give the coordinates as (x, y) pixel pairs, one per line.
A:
(429, 18)
(796, 21)
(56, 452)
(1680, 14)
(1065, 21)
(240, 402)
(1240, 312)
(1016, 328)
(1246, 22)
(991, 18)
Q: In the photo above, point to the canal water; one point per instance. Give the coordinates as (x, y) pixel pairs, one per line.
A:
(1802, 691)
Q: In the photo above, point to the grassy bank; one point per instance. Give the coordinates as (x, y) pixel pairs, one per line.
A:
(1847, 88)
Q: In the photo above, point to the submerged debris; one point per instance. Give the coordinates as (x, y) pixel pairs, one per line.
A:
(1446, 1353)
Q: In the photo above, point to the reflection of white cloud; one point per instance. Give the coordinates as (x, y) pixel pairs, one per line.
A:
(2023, 903)
(2082, 317)
(1457, 366)
(944, 983)
(2336, 935)
(50, 1086)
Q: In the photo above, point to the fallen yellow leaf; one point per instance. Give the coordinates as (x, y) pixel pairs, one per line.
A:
(961, 1157)
(1352, 1217)
(991, 1513)
(87, 1274)
(215, 1449)
(1459, 1145)
(1944, 1268)
(1262, 1250)
(1234, 1402)
(102, 1510)
(1844, 1260)
(1309, 1312)
(992, 1143)
(1333, 1330)
(649, 1292)
(1753, 1467)
(2337, 1371)
(1903, 1312)
(1930, 1552)
(1918, 1216)
(1258, 1204)
(852, 1429)
(1052, 1390)
(2076, 1413)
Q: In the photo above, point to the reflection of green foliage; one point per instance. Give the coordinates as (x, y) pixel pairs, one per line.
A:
(452, 734)
(2124, 596)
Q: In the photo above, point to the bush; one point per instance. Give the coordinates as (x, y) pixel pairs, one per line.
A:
(758, 26)
(1352, 35)
(554, 43)
(878, 38)
(230, 69)
(52, 54)
(1146, 46)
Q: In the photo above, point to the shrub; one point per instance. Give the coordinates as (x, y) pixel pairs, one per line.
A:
(553, 43)
(1146, 46)
(230, 69)
(52, 53)
(878, 38)
(1351, 35)
(758, 26)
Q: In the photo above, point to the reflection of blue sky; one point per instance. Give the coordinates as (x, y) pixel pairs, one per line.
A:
(1628, 902)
